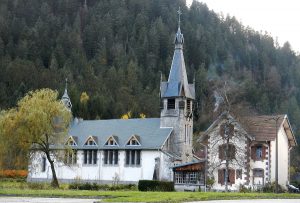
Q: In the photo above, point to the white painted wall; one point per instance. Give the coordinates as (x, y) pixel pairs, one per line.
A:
(283, 158)
(101, 172)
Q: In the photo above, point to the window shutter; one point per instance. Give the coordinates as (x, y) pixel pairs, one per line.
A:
(253, 153)
(221, 176)
(222, 130)
(231, 176)
(231, 130)
(264, 149)
(221, 152)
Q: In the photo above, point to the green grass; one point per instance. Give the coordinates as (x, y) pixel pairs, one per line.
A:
(23, 189)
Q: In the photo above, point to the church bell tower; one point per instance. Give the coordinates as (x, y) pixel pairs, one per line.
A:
(177, 97)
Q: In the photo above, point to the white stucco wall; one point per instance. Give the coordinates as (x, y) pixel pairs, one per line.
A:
(264, 164)
(103, 173)
(283, 158)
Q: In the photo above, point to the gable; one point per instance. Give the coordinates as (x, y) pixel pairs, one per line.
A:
(112, 141)
(91, 141)
(72, 141)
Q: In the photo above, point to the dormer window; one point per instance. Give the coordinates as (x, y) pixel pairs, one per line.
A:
(171, 104)
(133, 141)
(91, 141)
(111, 141)
(71, 141)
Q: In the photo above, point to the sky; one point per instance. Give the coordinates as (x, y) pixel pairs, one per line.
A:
(280, 18)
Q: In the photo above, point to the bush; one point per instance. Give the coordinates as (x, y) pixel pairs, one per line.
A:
(13, 174)
(95, 186)
(270, 187)
(39, 186)
(244, 189)
(154, 185)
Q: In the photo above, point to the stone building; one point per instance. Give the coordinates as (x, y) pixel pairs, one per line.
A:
(249, 146)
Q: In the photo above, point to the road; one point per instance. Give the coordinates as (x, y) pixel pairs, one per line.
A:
(253, 201)
(73, 200)
(45, 200)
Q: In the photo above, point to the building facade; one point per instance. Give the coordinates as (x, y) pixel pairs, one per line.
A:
(244, 152)
(126, 151)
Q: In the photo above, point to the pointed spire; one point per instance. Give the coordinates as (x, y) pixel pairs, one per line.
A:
(65, 98)
(179, 40)
(85, 4)
(179, 14)
(177, 84)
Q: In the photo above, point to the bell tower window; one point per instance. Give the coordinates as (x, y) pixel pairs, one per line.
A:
(188, 106)
(171, 104)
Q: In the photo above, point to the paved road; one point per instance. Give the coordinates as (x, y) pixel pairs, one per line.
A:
(70, 200)
(44, 200)
(253, 201)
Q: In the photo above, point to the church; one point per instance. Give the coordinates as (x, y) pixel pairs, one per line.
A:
(126, 151)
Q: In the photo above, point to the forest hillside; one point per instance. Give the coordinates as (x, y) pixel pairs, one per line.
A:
(114, 51)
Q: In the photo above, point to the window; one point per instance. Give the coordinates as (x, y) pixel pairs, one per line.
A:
(258, 152)
(43, 164)
(230, 152)
(226, 130)
(133, 141)
(90, 142)
(111, 141)
(222, 176)
(189, 177)
(133, 157)
(188, 106)
(71, 142)
(90, 156)
(171, 104)
(111, 157)
(70, 157)
(258, 172)
(239, 174)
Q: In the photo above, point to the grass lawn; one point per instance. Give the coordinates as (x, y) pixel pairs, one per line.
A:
(21, 189)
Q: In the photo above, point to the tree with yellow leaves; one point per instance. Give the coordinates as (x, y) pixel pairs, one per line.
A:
(38, 122)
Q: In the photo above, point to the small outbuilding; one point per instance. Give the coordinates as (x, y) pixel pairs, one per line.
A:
(190, 176)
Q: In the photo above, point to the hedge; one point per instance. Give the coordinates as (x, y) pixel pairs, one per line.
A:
(155, 185)
(95, 186)
(13, 173)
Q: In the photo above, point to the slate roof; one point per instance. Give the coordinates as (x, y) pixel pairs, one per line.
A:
(151, 136)
(177, 84)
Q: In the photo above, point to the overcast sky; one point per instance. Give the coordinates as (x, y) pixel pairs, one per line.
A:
(280, 18)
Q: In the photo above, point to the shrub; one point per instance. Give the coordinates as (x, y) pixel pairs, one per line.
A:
(270, 187)
(244, 189)
(39, 186)
(13, 173)
(95, 186)
(154, 185)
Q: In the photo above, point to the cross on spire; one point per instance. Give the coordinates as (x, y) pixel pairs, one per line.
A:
(179, 14)
(66, 83)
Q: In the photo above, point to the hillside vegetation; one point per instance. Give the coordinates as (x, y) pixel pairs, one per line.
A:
(113, 52)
